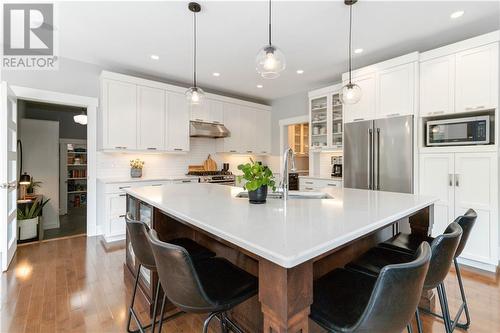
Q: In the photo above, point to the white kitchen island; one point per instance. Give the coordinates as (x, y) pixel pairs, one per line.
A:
(286, 243)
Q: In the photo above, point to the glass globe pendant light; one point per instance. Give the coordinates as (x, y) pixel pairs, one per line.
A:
(351, 92)
(80, 118)
(270, 61)
(195, 95)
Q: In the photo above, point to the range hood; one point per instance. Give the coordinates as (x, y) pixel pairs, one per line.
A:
(207, 130)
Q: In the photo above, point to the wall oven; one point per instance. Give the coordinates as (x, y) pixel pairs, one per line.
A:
(458, 131)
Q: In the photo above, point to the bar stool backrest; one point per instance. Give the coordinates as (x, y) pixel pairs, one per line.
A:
(466, 222)
(137, 231)
(178, 276)
(396, 295)
(443, 249)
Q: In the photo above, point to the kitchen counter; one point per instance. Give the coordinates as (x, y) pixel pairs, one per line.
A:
(117, 180)
(286, 234)
(323, 177)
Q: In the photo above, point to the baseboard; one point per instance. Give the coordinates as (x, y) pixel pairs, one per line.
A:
(479, 265)
(111, 239)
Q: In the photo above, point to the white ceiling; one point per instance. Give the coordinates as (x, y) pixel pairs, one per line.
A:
(313, 36)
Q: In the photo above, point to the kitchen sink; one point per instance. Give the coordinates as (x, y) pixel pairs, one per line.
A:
(292, 195)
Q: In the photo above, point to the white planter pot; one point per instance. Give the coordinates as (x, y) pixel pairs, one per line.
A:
(27, 228)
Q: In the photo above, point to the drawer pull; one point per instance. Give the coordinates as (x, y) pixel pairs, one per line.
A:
(123, 195)
(156, 185)
(151, 148)
(392, 115)
(178, 149)
(122, 187)
(186, 181)
(250, 151)
(437, 112)
(309, 188)
(232, 151)
(331, 184)
(120, 147)
(122, 215)
(358, 119)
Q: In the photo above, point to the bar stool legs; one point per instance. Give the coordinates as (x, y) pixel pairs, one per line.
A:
(464, 299)
(131, 312)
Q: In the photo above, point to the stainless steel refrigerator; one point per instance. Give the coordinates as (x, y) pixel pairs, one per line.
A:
(378, 154)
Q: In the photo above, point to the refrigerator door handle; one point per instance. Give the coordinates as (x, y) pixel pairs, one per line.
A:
(378, 160)
(370, 159)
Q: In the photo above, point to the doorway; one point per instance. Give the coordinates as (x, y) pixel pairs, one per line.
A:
(53, 158)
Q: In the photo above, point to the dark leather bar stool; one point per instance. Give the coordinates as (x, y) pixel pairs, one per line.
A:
(144, 255)
(350, 301)
(409, 243)
(211, 286)
(443, 249)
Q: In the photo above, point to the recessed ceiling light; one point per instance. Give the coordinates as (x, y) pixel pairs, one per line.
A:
(300, 71)
(216, 74)
(260, 86)
(155, 57)
(457, 14)
(358, 51)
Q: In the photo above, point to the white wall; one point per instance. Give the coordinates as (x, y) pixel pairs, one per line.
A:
(40, 140)
(286, 107)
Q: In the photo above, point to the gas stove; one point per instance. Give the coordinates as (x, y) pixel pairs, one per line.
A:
(216, 177)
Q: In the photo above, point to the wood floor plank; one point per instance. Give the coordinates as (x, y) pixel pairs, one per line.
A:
(76, 285)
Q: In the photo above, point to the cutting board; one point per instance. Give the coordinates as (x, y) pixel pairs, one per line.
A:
(210, 164)
(195, 168)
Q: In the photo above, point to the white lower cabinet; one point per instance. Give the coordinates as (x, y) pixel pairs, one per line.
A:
(462, 181)
(317, 184)
(112, 205)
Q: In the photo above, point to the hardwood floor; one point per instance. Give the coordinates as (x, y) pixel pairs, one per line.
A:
(75, 285)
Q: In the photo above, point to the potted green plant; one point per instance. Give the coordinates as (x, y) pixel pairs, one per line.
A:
(27, 219)
(136, 168)
(33, 184)
(258, 178)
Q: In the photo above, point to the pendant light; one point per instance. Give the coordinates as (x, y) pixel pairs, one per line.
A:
(270, 61)
(351, 92)
(80, 118)
(195, 95)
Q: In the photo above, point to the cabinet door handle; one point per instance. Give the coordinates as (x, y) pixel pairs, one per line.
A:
(450, 179)
(358, 119)
(309, 183)
(457, 180)
(178, 149)
(122, 215)
(437, 112)
(123, 195)
(120, 147)
(186, 181)
(264, 152)
(122, 187)
(232, 151)
(250, 151)
(392, 115)
(156, 185)
(332, 184)
(151, 148)
(309, 188)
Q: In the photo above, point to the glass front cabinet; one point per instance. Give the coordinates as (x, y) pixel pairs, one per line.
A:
(326, 119)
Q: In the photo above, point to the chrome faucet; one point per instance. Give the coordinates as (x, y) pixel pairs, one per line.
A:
(284, 180)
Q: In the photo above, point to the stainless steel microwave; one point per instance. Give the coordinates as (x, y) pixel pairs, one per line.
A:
(459, 131)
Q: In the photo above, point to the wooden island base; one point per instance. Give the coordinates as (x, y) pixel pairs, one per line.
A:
(285, 294)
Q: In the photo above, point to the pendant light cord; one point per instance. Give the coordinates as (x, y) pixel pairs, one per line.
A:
(350, 41)
(270, 23)
(194, 60)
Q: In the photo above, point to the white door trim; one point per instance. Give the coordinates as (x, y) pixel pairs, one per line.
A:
(91, 104)
(282, 124)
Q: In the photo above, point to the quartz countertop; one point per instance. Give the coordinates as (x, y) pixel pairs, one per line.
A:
(325, 177)
(287, 233)
(116, 180)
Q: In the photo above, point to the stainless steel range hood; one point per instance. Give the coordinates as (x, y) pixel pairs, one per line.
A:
(207, 130)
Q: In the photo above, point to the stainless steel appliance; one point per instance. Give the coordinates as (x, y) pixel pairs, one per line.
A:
(378, 154)
(293, 181)
(207, 130)
(458, 131)
(336, 166)
(215, 177)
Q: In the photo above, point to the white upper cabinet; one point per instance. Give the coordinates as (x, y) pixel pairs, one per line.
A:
(119, 115)
(365, 108)
(437, 86)
(477, 78)
(216, 111)
(263, 121)
(248, 128)
(396, 91)
(232, 121)
(151, 118)
(200, 112)
(177, 123)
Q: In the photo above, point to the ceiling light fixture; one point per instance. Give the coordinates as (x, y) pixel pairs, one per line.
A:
(358, 51)
(351, 92)
(80, 118)
(260, 86)
(300, 71)
(155, 57)
(270, 61)
(457, 14)
(216, 74)
(194, 95)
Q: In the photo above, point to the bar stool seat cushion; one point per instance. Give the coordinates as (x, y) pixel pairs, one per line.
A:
(195, 250)
(408, 243)
(377, 258)
(340, 297)
(225, 284)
